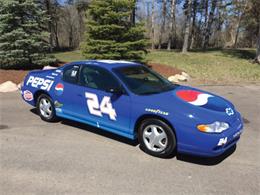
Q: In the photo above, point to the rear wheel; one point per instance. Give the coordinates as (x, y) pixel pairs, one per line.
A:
(45, 108)
(156, 138)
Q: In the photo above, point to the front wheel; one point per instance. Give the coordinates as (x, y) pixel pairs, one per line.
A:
(45, 108)
(156, 138)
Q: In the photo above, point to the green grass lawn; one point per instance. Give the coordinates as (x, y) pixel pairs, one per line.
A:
(69, 56)
(217, 66)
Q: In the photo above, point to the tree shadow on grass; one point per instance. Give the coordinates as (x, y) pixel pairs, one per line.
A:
(199, 50)
(239, 53)
(236, 53)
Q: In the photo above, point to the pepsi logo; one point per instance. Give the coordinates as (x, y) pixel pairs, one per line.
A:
(194, 97)
(204, 100)
(59, 89)
(27, 95)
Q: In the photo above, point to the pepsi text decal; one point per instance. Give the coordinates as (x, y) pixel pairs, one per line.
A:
(104, 107)
(37, 82)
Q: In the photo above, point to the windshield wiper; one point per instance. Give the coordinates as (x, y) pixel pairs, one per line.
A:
(151, 92)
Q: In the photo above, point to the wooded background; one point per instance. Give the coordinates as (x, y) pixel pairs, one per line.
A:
(169, 24)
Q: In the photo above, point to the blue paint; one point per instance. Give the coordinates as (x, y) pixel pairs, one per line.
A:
(183, 116)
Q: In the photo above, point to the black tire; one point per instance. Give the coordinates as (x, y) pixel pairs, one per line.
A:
(170, 144)
(52, 116)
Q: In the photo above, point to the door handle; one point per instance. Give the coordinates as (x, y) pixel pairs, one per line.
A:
(79, 95)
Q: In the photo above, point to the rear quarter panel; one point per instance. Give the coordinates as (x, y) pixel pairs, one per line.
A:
(36, 81)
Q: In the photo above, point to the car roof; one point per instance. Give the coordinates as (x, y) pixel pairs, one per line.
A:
(108, 64)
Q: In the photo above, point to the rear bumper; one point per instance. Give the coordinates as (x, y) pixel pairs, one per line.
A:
(211, 145)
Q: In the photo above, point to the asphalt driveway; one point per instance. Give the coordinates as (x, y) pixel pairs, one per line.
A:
(70, 158)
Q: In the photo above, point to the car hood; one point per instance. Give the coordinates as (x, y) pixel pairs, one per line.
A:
(193, 103)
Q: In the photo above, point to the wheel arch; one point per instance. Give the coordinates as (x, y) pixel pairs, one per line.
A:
(152, 116)
(37, 94)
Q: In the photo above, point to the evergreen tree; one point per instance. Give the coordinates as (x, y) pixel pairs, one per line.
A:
(111, 33)
(23, 39)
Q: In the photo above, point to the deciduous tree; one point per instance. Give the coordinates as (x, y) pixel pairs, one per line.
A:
(172, 25)
(162, 29)
(187, 8)
(152, 25)
(209, 23)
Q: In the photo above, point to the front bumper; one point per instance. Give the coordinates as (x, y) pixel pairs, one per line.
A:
(210, 145)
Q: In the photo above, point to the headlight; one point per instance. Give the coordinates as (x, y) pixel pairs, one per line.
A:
(216, 127)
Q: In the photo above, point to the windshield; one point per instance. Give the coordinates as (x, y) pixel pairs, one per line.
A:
(141, 80)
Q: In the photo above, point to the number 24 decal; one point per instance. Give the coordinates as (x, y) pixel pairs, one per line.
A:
(104, 107)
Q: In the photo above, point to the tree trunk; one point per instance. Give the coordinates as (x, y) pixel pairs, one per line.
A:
(220, 22)
(148, 13)
(257, 57)
(133, 13)
(48, 8)
(71, 37)
(209, 25)
(162, 30)
(239, 23)
(56, 35)
(237, 31)
(200, 25)
(152, 28)
(81, 24)
(187, 27)
(204, 26)
(206, 7)
(172, 24)
(194, 14)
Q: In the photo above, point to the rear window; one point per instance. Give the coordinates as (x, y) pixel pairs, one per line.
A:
(70, 74)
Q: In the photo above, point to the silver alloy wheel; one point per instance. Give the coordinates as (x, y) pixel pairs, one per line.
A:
(155, 138)
(45, 107)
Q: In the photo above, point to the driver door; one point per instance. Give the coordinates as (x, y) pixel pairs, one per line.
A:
(101, 105)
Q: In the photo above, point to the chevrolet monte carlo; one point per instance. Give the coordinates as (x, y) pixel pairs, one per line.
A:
(131, 100)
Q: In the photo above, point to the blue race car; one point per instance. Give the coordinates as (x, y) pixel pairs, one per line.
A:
(131, 100)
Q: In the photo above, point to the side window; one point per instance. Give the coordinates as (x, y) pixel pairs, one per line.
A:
(71, 73)
(98, 78)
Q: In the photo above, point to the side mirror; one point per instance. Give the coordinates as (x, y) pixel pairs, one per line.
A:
(117, 91)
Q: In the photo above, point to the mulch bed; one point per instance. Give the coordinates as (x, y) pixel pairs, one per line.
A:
(17, 76)
(165, 70)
